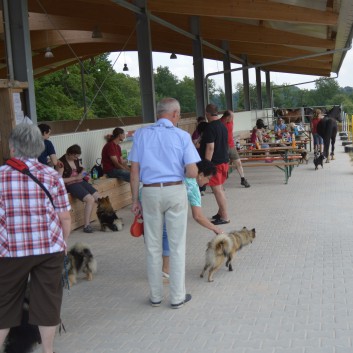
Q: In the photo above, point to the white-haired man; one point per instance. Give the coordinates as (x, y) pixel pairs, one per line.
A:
(161, 157)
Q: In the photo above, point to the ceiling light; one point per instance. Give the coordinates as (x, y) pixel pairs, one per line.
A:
(96, 33)
(125, 68)
(173, 56)
(48, 53)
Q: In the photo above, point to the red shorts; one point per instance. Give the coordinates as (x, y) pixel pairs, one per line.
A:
(221, 175)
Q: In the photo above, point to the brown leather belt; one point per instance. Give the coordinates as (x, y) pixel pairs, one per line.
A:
(161, 185)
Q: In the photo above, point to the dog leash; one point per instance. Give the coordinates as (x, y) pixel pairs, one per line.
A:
(65, 276)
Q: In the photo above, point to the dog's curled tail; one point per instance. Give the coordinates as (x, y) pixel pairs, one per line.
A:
(223, 245)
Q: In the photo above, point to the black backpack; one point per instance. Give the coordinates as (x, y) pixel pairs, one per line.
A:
(97, 169)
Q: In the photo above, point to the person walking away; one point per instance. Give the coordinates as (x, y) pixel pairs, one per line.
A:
(318, 140)
(162, 155)
(228, 120)
(33, 236)
(113, 163)
(214, 147)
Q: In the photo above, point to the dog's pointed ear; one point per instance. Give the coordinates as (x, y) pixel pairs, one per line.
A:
(244, 227)
(253, 230)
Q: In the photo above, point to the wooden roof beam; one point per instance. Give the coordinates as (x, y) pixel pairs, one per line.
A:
(245, 9)
(256, 34)
(257, 59)
(298, 70)
(273, 50)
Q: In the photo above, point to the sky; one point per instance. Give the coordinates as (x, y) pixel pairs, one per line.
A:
(182, 66)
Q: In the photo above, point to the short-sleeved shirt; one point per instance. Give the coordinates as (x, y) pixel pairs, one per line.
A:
(314, 123)
(110, 149)
(216, 133)
(281, 127)
(229, 127)
(29, 224)
(193, 192)
(48, 151)
(162, 151)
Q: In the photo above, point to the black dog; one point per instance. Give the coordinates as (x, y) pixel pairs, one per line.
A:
(23, 338)
(318, 159)
(107, 216)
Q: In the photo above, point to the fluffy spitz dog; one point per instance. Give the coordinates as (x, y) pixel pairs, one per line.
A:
(107, 216)
(318, 160)
(23, 338)
(81, 259)
(224, 246)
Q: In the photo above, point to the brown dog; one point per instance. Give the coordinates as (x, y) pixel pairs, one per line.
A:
(224, 246)
(107, 216)
(81, 259)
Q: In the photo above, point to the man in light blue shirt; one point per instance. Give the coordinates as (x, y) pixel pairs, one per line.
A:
(161, 157)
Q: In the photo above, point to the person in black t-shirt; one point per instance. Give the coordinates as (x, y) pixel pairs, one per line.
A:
(214, 147)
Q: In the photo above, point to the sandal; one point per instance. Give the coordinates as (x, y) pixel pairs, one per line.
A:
(88, 229)
(216, 216)
(220, 221)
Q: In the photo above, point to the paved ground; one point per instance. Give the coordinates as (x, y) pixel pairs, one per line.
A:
(291, 290)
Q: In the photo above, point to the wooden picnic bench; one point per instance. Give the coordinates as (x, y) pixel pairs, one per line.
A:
(119, 194)
(283, 158)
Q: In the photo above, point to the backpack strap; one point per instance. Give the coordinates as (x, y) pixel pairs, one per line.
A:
(23, 168)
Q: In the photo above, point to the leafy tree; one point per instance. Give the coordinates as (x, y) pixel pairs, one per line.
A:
(186, 95)
(325, 91)
(165, 83)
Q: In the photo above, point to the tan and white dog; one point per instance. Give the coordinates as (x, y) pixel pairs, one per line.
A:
(224, 246)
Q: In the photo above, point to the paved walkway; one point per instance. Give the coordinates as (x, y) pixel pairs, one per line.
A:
(291, 290)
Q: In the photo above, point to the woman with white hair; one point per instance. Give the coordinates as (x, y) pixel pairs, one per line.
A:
(33, 234)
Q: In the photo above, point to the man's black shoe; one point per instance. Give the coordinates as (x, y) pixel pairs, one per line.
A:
(177, 306)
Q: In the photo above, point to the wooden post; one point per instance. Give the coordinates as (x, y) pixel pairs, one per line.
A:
(7, 113)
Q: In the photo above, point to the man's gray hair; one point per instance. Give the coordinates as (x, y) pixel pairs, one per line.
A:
(167, 105)
(27, 141)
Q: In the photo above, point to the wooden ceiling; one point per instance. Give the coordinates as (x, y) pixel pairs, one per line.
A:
(268, 33)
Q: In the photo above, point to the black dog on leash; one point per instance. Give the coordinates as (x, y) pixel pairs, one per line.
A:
(318, 159)
(23, 338)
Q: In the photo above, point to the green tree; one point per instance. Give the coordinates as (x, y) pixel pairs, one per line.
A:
(325, 91)
(186, 95)
(165, 83)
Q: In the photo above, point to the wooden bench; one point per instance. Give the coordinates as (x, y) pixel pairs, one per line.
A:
(286, 167)
(119, 194)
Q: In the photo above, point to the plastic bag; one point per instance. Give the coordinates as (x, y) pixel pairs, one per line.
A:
(136, 229)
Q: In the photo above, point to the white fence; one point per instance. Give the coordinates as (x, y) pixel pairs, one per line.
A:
(91, 143)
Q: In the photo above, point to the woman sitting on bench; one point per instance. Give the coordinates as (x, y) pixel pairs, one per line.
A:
(75, 179)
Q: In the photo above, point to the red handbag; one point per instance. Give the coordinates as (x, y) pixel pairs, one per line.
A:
(136, 229)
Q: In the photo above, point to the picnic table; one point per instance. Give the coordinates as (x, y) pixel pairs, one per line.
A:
(284, 158)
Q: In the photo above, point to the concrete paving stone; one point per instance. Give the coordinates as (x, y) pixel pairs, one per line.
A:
(290, 350)
(337, 342)
(321, 350)
(262, 350)
(282, 343)
(297, 342)
(343, 350)
(339, 333)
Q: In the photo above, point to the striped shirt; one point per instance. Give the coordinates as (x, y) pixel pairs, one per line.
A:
(29, 225)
